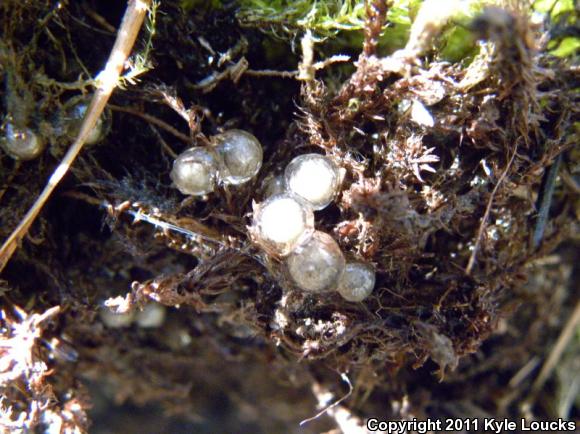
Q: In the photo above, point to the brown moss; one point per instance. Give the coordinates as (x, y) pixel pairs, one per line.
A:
(443, 166)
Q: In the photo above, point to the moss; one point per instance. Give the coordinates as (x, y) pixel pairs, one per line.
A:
(340, 22)
(554, 7)
(567, 47)
(442, 164)
(200, 5)
(324, 17)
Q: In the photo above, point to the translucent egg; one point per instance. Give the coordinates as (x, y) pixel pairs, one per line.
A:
(273, 185)
(195, 171)
(21, 143)
(317, 264)
(152, 316)
(282, 222)
(357, 282)
(116, 320)
(313, 177)
(71, 119)
(240, 156)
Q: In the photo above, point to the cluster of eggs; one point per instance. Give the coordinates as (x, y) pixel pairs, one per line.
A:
(283, 224)
(23, 143)
(152, 315)
(234, 157)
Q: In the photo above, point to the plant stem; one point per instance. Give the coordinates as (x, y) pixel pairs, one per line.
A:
(106, 82)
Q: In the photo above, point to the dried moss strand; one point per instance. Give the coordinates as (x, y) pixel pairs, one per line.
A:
(376, 14)
(329, 407)
(153, 120)
(471, 262)
(138, 215)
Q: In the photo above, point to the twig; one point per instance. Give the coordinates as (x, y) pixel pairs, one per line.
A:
(337, 58)
(153, 120)
(167, 226)
(545, 201)
(233, 72)
(43, 80)
(84, 197)
(473, 256)
(99, 20)
(94, 29)
(270, 73)
(305, 68)
(294, 74)
(524, 371)
(570, 182)
(164, 144)
(176, 104)
(552, 360)
(321, 395)
(106, 82)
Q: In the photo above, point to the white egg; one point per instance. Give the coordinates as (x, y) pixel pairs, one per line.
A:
(313, 177)
(282, 222)
(152, 316)
(116, 320)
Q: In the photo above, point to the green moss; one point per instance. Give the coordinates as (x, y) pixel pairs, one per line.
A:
(459, 45)
(341, 22)
(554, 7)
(403, 12)
(399, 21)
(200, 5)
(562, 14)
(567, 47)
(323, 17)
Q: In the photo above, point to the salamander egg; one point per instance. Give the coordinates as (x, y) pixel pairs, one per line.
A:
(72, 117)
(357, 282)
(240, 156)
(313, 177)
(21, 143)
(282, 222)
(317, 264)
(195, 171)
